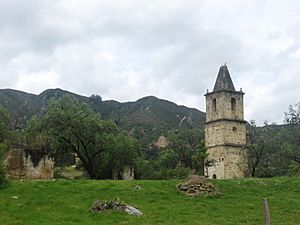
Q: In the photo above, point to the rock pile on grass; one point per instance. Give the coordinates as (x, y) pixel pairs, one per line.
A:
(103, 206)
(197, 185)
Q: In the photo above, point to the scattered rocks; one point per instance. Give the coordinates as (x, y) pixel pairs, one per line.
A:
(132, 211)
(197, 185)
(102, 206)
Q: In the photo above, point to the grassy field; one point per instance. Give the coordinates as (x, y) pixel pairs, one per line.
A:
(68, 202)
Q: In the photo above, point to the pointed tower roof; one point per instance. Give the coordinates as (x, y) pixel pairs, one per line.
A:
(223, 81)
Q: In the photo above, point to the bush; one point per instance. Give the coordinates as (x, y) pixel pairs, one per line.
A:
(4, 134)
(265, 172)
(150, 170)
(3, 180)
(294, 169)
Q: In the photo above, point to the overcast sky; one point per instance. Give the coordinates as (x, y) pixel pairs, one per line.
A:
(125, 50)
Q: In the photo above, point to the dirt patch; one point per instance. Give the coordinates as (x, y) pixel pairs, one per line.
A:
(161, 142)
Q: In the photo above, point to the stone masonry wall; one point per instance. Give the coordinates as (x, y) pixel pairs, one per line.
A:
(20, 166)
(225, 135)
(223, 106)
(225, 132)
(229, 162)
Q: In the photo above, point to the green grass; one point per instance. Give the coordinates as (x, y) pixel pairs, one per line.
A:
(68, 202)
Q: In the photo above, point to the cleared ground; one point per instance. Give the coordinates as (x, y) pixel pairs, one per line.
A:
(68, 202)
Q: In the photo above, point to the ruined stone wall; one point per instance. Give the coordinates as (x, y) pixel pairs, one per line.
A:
(20, 166)
(126, 174)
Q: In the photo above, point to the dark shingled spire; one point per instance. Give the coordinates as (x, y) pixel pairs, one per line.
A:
(223, 81)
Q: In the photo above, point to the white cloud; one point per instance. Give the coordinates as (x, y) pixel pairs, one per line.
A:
(128, 49)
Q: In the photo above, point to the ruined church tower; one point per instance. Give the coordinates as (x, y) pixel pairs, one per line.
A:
(225, 130)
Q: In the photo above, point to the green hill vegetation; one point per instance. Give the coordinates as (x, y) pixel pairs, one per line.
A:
(167, 140)
(74, 126)
(68, 202)
(146, 119)
(148, 111)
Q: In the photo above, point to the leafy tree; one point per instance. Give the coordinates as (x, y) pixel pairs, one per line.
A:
(168, 159)
(76, 128)
(81, 130)
(199, 157)
(122, 152)
(292, 116)
(190, 147)
(256, 147)
(4, 124)
(95, 98)
(37, 140)
(274, 150)
(183, 142)
(291, 146)
(265, 153)
(185, 153)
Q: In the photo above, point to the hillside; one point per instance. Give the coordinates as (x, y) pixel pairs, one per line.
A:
(146, 119)
(21, 105)
(68, 202)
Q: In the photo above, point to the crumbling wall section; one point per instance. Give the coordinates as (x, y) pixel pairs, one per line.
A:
(19, 165)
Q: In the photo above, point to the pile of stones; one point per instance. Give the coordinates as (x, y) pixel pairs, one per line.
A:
(197, 185)
(102, 206)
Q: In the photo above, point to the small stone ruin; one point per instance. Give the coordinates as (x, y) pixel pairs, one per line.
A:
(197, 185)
(126, 174)
(23, 164)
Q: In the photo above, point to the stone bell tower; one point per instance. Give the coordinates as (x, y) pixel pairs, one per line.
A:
(225, 130)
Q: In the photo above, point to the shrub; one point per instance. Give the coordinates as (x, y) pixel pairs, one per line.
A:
(3, 180)
(294, 169)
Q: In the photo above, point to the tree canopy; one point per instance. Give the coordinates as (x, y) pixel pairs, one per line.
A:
(71, 126)
(274, 150)
(292, 116)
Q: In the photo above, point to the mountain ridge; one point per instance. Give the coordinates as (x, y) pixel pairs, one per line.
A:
(146, 118)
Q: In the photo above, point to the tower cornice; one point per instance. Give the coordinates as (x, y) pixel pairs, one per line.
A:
(227, 145)
(234, 92)
(226, 120)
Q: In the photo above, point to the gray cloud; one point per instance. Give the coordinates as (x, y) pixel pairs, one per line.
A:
(125, 50)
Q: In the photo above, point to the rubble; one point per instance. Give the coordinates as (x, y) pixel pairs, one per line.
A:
(102, 206)
(197, 185)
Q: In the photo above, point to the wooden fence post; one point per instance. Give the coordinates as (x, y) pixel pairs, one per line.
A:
(267, 216)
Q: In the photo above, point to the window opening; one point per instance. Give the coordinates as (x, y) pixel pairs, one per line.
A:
(214, 101)
(233, 104)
